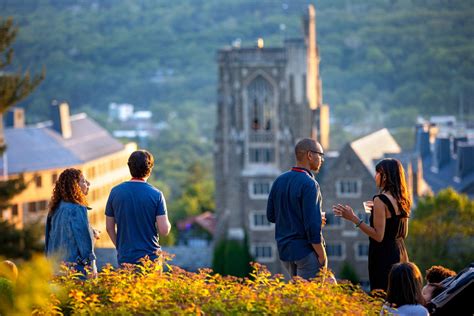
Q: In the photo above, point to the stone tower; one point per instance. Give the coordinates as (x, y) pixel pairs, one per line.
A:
(268, 98)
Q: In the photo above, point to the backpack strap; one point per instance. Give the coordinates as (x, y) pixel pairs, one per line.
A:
(389, 204)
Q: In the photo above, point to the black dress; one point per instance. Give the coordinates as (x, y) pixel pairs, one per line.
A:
(391, 250)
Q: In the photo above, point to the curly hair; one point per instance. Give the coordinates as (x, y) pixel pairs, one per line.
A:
(67, 189)
(436, 274)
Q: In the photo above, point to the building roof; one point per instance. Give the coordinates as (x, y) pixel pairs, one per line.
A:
(40, 147)
(445, 177)
(375, 146)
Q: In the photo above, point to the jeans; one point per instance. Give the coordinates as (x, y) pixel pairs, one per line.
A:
(306, 268)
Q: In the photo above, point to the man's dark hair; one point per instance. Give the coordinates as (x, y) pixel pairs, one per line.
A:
(303, 146)
(436, 274)
(140, 164)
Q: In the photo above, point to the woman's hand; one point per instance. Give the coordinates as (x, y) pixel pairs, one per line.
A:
(346, 212)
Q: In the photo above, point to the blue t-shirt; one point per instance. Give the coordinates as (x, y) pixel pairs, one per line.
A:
(294, 205)
(135, 206)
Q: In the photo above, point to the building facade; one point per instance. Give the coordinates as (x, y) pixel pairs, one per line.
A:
(42, 151)
(268, 99)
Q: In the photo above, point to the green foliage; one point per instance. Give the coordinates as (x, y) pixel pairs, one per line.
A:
(441, 231)
(197, 194)
(349, 273)
(10, 188)
(232, 257)
(22, 243)
(14, 86)
(6, 295)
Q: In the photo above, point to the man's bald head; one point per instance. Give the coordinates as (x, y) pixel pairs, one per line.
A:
(305, 145)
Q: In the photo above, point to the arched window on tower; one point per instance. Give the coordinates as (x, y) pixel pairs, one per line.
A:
(260, 96)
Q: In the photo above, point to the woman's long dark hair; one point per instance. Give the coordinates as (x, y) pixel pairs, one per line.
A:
(393, 181)
(67, 189)
(404, 285)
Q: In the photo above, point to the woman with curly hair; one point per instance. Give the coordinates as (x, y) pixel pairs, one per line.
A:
(69, 237)
(389, 213)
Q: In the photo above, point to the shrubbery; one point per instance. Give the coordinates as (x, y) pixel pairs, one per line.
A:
(150, 289)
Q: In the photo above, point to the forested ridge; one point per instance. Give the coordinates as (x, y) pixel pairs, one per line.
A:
(375, 55)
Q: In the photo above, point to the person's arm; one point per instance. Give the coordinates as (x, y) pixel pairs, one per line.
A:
(321, 253)
(270, 208)
(163, 224)
(377, 232)
(80, 229)
(311, 207)
(110, 227)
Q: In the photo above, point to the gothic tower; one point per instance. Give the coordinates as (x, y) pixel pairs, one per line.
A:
(268, 98)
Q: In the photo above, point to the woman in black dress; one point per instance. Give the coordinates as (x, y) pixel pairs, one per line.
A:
(388, 221)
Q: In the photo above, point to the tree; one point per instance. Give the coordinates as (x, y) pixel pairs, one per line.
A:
(232, 257)
(14, 87)
(441, 231)
(349, 273)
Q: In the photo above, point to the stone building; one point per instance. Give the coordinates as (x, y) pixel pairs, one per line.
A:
(268, 99)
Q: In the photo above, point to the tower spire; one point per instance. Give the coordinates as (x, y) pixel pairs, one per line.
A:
(314, 95)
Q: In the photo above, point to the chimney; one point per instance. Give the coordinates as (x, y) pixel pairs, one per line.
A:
(61, 120)
(15, 118)
(417, 165)
(456, 141)
(442, 152)
(422, 142)
(465, 163)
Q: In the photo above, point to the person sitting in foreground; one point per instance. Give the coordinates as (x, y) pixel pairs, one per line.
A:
(404, 291)
(434, 276)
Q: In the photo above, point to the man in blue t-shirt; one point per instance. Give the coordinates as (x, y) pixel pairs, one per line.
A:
(294, 205)
(137, 209)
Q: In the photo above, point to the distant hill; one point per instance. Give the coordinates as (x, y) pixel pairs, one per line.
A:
(393, 59)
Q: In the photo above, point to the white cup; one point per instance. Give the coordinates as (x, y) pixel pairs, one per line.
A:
(368, 205)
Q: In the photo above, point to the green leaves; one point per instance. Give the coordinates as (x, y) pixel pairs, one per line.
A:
(441, 231)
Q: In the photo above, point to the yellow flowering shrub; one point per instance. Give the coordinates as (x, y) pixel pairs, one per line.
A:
(152, 289)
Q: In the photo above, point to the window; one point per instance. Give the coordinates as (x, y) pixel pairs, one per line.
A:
(54, 178)
(263, 252)
(258, 221)
(259, 189)
(260, 98)
(42, 205)
(38, 181)
(336, 250)
(261, 155)
(332, 221)
(15, 210)
(35, 206)
(348, 188)
(361, 250)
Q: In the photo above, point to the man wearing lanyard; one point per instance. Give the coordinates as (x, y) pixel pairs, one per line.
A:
(134, 211)
(294, 205)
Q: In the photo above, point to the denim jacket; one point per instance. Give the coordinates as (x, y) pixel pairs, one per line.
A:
(69, 236)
